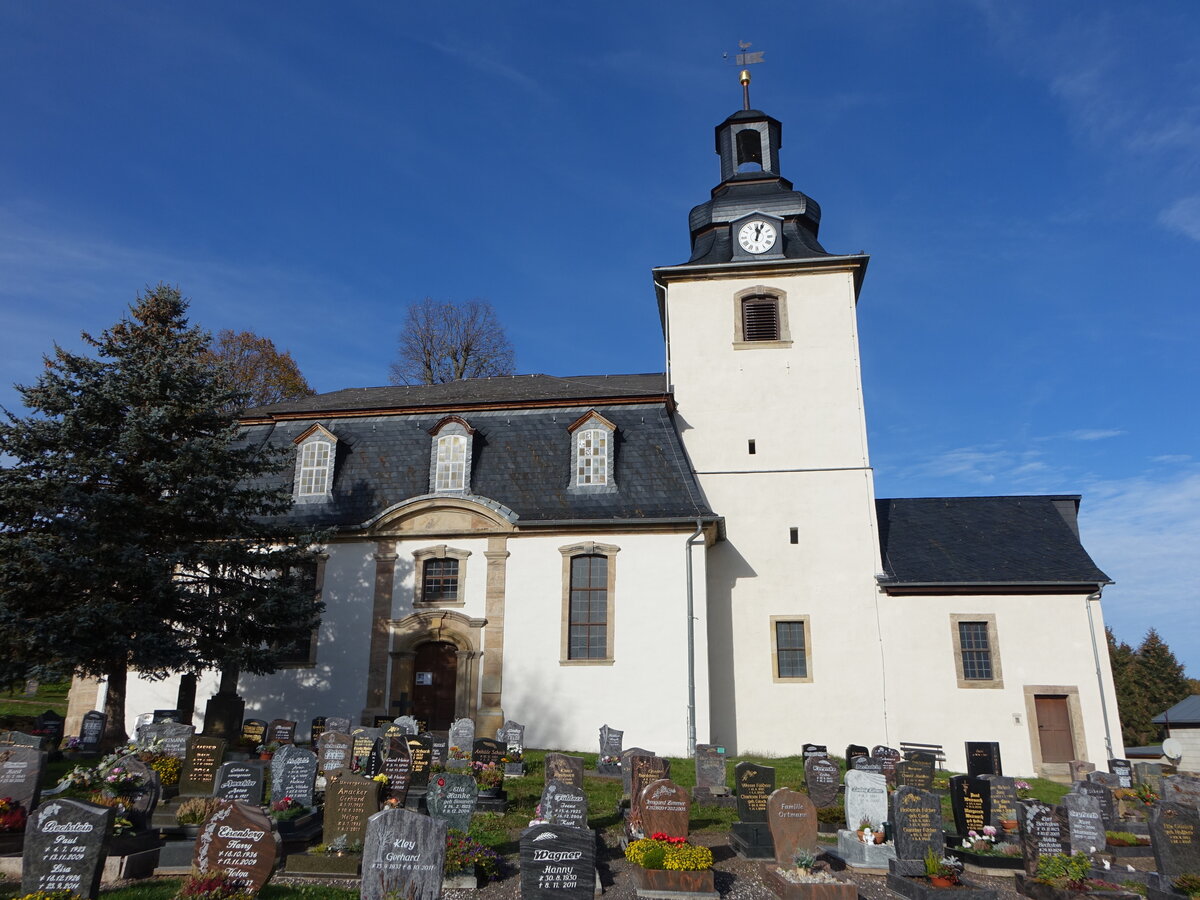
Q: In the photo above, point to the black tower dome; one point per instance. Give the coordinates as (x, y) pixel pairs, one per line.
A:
(748, 143)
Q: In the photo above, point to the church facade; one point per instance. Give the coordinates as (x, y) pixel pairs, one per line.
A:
(695, 555)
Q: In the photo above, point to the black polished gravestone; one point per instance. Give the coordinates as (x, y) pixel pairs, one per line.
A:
(254, 732)
(888, 757)
(1102, 795)
(364, 742)
(1175, 838)
(809, 751)
(91, 731)
(868, 764)
(855, 751)
(282, 731)
(316, 728)
(238, 839)
(1085, 825)
(823, 779)
(1043, 833)
(397, 766)
(916, 773)
(165, 715)
(558, 863)
(403, 856)
(50, 725)
(66, 842)
(916, 823)
(294, 774)
(971, 803)
(750, 837)
(21, 774)
(567, 769)
(452, 797)
(983, 758)
(245, 781)
(420, 750)
(564, 804)
(1123, 769)
(203, 757)
(488, 751)
(1003, 791)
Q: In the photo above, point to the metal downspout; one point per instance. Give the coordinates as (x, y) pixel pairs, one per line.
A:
(691, 642)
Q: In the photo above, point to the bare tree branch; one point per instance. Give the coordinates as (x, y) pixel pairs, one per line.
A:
(446, 341)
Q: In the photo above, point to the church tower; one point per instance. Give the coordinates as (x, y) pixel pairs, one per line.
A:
(763, 358)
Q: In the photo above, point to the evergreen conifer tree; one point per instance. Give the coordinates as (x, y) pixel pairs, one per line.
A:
(136, 533)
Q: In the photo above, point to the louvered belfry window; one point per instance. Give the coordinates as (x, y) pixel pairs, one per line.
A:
(760, 318)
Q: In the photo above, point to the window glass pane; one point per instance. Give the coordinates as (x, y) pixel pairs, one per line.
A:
(588, 612)
(976, 652)
(790, 653)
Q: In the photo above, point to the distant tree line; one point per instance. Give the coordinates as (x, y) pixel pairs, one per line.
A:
(1148, 680)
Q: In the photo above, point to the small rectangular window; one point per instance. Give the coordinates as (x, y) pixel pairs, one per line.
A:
(791, 652)
(794, 535)
(439, 581)
(976, 651)
(750, 447)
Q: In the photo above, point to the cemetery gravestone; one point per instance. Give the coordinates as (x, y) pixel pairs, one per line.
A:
(282, 731)
(916, 823)
(1042, 833)
(710, 768)
(971, 803)
(397, 766)
(334, 751)
(349, 802)
(1108, 779)
(1080, 769)
(408, 724)
(823, 779)
(294, 774)
(1002, 792)
(665, 807)
(145, 799)
(1181, 789)
(241, 781)
(888, 757)
(855, 751)
(254, 732)
(8, 738)
(792, 818)
(811, 750)
(610, 741)
(238, 839)
(403, 856)
(1085, 825)
(627, 767)
(1175, 837)
(557, 863)
(564, 804)
(363, 743)
(420, 751)
(1123, 769)
(341, 724)
(203, 757)
(868, 764)
(381, 722)
(452, 797)
(1149, 774)
(567, 769)
(866, 798)
(512, 735)
(490, 751)
(50, 726)
(755, 784)
(316, 728)
(462, 735)
(374, 762)
(91, 731)
(66, 842)
(165, 715)
(441, 749)
(983, 758)
(916, 773)
(1103, 796)
(173, 735)
(645, 769)
(21, 774)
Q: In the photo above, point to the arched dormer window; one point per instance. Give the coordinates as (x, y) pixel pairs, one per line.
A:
(450, 466)
(316, 453)
(592, 452)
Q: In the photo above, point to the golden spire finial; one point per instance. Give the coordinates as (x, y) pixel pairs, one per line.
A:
(745, 80)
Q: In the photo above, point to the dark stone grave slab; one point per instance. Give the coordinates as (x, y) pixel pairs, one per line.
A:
(452, 797)
(866, 798)
(868, 764)
(1003, 796)
(888, 757)
(403, 856)
(165, 715)
(254, 732)
(20, 739)
(755, 784)
(335, 750)
(381, 722)
(174, 737)
(823, 779)
(397, 766)
(1175, 838)
(665, 808)
(627, 767)
(567, 769)
(792, 818)
(238, 839)
(1085, 825)
(808, 751)
(282, 731)
(66, 842)
(1123, 769)
(1104, 797)
(565, 804)
(50, 725)
(203, 757)
(145, 800)
(971, 803)
(441, 748)
(983, 758)
(1108, 779)
(243, 781)
(916, 823)
(349, 801)
(363, 743)
(21, 774)
(316, 728)
(854, 751)
(294, 774)
(91, 731)
(341, 724)
(645, 769)
(611, 741)
(916, 773)
(710, 768)
(1043, 833)
(420, 751)
(373, 765)
(558, 863)
(489, 751)
(1181, 789)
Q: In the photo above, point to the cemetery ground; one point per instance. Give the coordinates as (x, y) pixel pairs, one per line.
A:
(18, 708)
(736, 878)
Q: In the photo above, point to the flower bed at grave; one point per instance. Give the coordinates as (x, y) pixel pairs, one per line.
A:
(12, 815)
(661, 851)
(465, 854)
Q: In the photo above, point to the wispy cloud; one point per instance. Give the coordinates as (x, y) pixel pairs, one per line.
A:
(1172, 458)
(1183, 216)
(1093, 434)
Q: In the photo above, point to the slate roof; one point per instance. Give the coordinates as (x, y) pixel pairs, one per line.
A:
(1185, 712)
(984, 541)
(522, 458)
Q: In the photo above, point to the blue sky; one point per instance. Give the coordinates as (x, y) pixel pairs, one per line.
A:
(1024, 175)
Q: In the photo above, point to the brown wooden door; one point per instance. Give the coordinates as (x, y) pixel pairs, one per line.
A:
(1054, 729)
(434, 672)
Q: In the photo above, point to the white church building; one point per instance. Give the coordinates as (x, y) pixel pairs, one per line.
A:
(695, 555)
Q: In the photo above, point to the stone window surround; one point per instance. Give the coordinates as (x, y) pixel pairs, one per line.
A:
(449, 425)
(316, 434)
(587, 548)
(997, 679)
(322, 559)
(761, 290)
(808, 666)
(440, 551)
(588, 421)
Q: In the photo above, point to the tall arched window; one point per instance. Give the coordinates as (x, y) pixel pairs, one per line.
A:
(315, 456)
(591, 457)
(451, 464)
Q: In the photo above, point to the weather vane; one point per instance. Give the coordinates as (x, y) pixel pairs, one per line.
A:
(745, 58)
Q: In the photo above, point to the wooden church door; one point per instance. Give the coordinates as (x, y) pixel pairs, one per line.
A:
(435, 671)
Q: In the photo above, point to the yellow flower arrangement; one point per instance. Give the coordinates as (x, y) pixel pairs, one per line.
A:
(662, 852)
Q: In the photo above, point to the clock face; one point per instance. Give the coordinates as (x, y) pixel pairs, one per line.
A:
(757, 236)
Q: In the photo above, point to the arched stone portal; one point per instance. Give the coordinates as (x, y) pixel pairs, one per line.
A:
(436, 626)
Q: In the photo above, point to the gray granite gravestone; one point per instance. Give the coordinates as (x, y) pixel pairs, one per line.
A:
(983, 758)
(567, 769)
(91, 731)
(397, 766)
(341, 724)
(1043, 833)
(1175, 838)
(792, 818)
(294, 774)
(403, 856)
(611, 741)
(1108, 779)
(21, 774)
(916, 773)
(1182, 789)
(971, 803)
(710, 769)
(238, 839)
(145, 799)
(334, 751)
(866, 798)
(174, 737)
(243, 781)
(916, 823)
(564, 804)
(66, 842)
(557, 863)
(868, 764)
(420, 751)
(1103, 796)
(823, 779)
(1002, 792)
(408, 724)
(462, 735)
(451, 797)
(888, 757)
(512, 735)
(1123, 769)
(20, 739)
(665, 808)
(1085, 825)
(202, 759)
(627, 767)
(349, 801)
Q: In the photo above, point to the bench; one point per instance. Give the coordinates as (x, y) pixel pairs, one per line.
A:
(934, 750)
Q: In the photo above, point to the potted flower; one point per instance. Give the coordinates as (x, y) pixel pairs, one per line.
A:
(1024, 789)
(489, 777)
(267, 750)
(807, 879)
(468, 861)
(668, 863)
(194, 812)
(513, 763)
(980, 843)
(942, 871)
(12, 825)
(869, 833)
(286, 809)
(457, 759)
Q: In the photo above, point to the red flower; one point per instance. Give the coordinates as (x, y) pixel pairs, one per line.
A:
(441, 782)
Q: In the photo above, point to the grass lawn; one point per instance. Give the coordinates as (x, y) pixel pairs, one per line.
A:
(13, 701)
